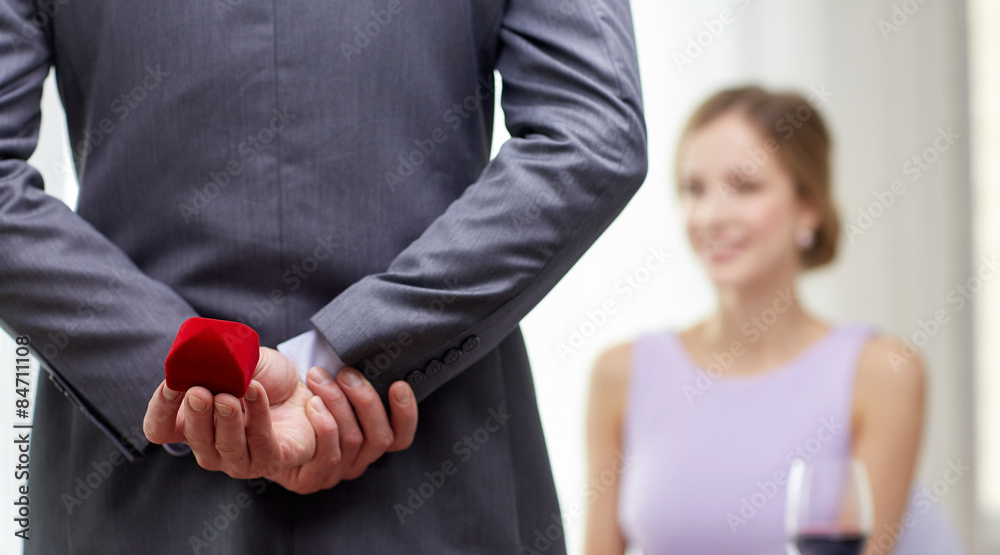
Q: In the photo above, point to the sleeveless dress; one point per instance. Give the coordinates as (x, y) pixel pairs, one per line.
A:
(707, 456)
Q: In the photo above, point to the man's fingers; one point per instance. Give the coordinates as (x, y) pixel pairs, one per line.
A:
(339, 410)
(371, 416)
(230, 437)
(339, 406)
(265, 454)
(403, 406)
(199, 426)
(161, 423)
(321, 472)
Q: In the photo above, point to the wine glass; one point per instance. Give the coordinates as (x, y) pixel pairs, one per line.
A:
(829, 507)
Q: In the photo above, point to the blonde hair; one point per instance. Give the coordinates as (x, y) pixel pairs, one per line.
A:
(803, 147)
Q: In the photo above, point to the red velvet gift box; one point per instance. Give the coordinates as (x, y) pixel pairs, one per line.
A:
(216, 354)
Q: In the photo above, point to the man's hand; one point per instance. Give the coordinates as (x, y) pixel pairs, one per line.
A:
(267, 430)
(306, 442)
(332, 414)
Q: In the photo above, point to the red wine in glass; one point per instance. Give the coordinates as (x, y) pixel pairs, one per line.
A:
(829, 508)
(820, 542)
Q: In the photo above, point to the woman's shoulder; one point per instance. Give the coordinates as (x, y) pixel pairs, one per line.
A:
(609, 386)
(611, 368)
(884, 357)
(614, 364)
(889, 367)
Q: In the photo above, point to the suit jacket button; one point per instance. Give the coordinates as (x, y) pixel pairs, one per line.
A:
(433, 367)
(452, 356)
(415, 377)
(470, 343)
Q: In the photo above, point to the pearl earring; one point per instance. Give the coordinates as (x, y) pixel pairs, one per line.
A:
(804, 237)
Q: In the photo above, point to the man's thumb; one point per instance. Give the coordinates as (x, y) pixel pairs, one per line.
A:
(277, 374)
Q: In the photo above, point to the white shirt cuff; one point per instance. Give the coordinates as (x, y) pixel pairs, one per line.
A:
(311, 349)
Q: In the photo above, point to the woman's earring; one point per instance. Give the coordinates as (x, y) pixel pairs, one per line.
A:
(804, 237)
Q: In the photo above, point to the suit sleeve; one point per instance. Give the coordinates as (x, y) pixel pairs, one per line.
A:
(577, 154)
(98, 325)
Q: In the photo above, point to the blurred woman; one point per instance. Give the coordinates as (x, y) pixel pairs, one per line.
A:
(692, 431)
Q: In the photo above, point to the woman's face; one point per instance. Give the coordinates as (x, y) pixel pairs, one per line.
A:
(740, 206)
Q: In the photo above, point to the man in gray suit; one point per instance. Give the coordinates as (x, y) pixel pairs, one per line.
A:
(320, 171)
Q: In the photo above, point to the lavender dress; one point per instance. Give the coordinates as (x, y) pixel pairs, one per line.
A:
(707, 457)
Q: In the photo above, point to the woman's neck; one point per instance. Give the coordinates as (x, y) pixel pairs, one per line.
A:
(768, 321)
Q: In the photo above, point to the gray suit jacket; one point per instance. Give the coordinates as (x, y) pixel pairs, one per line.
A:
(299, 164)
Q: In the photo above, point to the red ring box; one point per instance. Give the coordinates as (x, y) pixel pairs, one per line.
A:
(219, 355)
